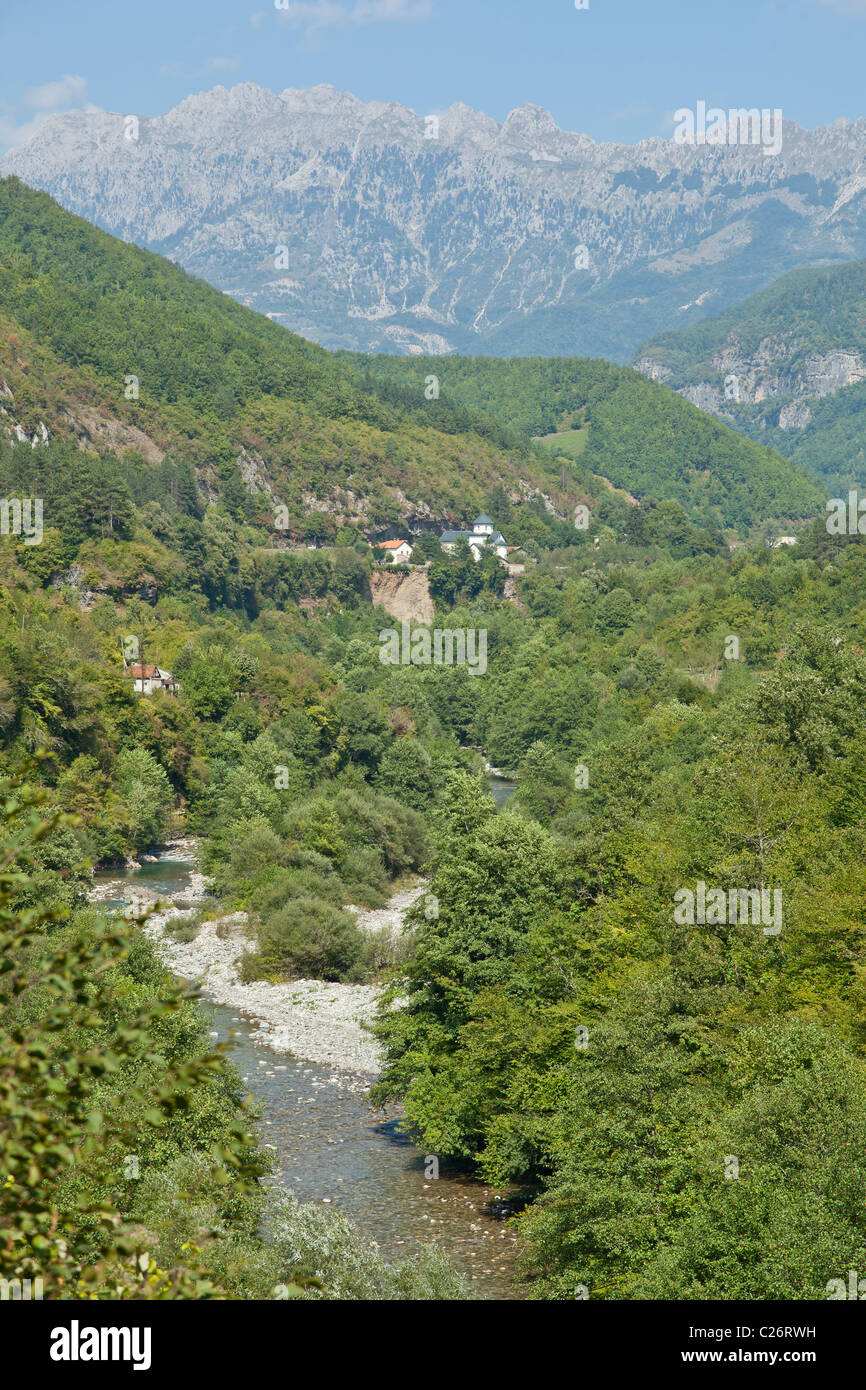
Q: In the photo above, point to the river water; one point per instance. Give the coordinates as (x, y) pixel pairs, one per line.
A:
(500, 788)
(332, 1148)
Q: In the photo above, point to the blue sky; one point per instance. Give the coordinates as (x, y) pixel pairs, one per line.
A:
(615, 71)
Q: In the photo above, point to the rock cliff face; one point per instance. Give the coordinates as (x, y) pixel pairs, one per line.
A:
(787, 365)
(367, 225)
(778, 367)
(403, 594)
(750, 378)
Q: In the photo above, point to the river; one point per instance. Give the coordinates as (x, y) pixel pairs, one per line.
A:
(500, 788)
(332, 1148)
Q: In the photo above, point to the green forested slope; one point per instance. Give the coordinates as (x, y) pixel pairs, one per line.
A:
(817, 310)
(640, 435)
(768, 340)
(81, 313)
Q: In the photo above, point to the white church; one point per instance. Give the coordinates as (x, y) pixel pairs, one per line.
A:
(481, 537)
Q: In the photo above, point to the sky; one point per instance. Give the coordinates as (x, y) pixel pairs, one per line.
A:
(614, 70)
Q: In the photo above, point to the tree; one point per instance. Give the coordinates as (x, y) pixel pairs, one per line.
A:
(210, 679)
(443, 580)
(427, 547)
(186, 490)
(686, 1171)
(78, 1090)
(405, 772)
(544, 782)
(615, 612)
(363, 730)
(147, 796)
(491, 883)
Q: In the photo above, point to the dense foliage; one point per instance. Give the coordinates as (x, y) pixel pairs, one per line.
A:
(637, 434)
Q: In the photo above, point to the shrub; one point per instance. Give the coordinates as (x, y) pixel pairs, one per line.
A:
(307, 939)
(288, 884)
(386, 948)
(327, 1249)
(184, 928)
(364, 866)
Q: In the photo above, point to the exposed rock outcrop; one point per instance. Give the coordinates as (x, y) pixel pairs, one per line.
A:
(770, 370)
(403, 594)
(98, 431)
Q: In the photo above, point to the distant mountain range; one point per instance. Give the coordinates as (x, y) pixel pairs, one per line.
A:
(368, 226)
(787, 367)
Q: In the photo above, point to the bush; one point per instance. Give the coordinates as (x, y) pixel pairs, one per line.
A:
(184, 928)
(327, 1249)
(311, 1253)
(363, 869)
(346, 820)
(386, 948)
(258, 849)
(307, 939)
(289, 884)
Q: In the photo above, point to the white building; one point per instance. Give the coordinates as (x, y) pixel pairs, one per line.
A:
(147, 679)
(479, 538)
(399, 551)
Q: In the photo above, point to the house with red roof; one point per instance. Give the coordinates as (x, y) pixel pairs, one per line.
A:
(399, 551)
(147, 679)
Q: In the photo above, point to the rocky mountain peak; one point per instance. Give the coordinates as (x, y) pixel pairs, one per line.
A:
(448, 231)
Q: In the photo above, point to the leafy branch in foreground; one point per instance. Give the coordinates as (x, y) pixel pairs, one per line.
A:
(82, 1083)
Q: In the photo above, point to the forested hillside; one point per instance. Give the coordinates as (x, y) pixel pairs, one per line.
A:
(115, 348)
(107, 345)
(817, 310)
(636, 433)
(794, 360)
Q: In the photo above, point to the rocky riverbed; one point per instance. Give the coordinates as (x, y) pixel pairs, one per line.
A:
(318, 1022)
(308, 1060)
